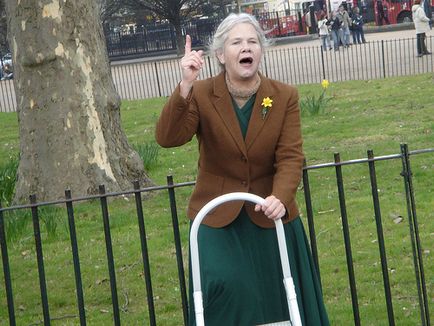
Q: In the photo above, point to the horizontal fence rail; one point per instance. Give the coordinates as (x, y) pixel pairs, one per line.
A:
(7, 306)
(302, 65)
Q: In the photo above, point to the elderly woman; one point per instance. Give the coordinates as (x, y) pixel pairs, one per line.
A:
(248, 131)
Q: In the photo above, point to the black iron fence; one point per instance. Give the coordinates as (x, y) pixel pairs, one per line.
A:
(300, 65)
(155, 39)
(393, 300)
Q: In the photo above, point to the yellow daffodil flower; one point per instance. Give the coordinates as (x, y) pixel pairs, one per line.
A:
(267, 102)
(325, 83)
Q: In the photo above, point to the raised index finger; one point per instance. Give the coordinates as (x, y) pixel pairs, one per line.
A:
(187, 44)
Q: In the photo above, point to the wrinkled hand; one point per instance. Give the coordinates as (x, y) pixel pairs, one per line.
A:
(272, 208)
(191, 64)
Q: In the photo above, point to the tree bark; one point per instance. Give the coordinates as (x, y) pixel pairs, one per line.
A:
(68, 108)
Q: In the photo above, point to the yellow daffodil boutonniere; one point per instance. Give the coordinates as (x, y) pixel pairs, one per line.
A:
(267, 103)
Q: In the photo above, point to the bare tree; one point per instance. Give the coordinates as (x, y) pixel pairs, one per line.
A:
(69, 110)
(108, 9)
(218, 7)
(172, 10)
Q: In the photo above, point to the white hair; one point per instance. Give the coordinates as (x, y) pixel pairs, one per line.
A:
(221, 33)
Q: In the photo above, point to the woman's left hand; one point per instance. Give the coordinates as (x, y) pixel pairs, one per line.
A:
(272, 208)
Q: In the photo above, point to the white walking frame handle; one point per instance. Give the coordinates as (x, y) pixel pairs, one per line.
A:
(287, 279)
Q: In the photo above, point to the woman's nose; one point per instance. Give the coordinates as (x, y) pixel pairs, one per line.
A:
(246, 47)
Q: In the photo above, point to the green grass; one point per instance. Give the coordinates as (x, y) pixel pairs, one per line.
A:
(361, 115)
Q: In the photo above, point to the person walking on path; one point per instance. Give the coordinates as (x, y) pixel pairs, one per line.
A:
(344, 17)
(359, 35)
(421, 24)
(428, 11)
(336, 30)
(249, 139)
(382, 12)
(323, 27)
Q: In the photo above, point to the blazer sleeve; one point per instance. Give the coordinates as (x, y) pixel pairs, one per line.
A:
(178, 121)
(289, 155)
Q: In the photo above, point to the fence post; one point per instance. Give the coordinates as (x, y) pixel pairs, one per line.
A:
(6, 270)
(178, 248)
(309, 211)
(158, 79)
(75, 257)
(380, 236)
(110, 260)
(265, 66)
(40, 260)
(346, 232)
(209, 65)
(323, 63)
(414, 235)
(145, 255)
(384, 58)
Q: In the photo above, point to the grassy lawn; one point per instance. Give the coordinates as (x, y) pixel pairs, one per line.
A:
(361, 115)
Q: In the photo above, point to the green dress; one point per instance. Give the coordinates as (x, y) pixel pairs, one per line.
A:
(241, 273)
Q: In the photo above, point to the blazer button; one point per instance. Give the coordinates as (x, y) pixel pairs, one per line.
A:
(244, 183)
(243, 159)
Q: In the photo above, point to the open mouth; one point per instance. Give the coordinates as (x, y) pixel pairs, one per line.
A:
(246, 60)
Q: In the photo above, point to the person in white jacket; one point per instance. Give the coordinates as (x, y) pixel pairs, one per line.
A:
(323, 28)
(421, 24)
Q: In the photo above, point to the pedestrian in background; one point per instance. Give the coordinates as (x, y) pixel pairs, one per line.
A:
(382, 12)
(308, 20)
(421, 24)
(428, 11)
(336, 30)
(323, 27)
(344, 17)
(358, 33)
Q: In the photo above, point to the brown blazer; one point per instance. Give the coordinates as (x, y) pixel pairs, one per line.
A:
(268, 162)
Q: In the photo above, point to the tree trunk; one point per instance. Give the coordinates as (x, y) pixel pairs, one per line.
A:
(180, 41)
(69, 110)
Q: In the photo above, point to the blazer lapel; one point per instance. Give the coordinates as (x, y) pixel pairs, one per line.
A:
(257, 121)
(224, 107)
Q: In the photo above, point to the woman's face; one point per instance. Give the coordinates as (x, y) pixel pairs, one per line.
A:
(241, 53)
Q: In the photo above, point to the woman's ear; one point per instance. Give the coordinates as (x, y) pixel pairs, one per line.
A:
(221, 57)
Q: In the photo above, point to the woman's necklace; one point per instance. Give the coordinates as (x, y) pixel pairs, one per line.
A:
(242, 96)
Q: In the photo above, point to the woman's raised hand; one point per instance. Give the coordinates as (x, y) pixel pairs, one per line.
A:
(191, 64)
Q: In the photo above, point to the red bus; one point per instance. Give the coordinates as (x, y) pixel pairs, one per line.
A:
(292, 21)
(394, 11)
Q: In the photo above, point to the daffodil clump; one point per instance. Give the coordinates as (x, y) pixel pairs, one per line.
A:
(314, 105)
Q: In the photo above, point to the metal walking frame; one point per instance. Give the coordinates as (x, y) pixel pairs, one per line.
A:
(287, 278)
